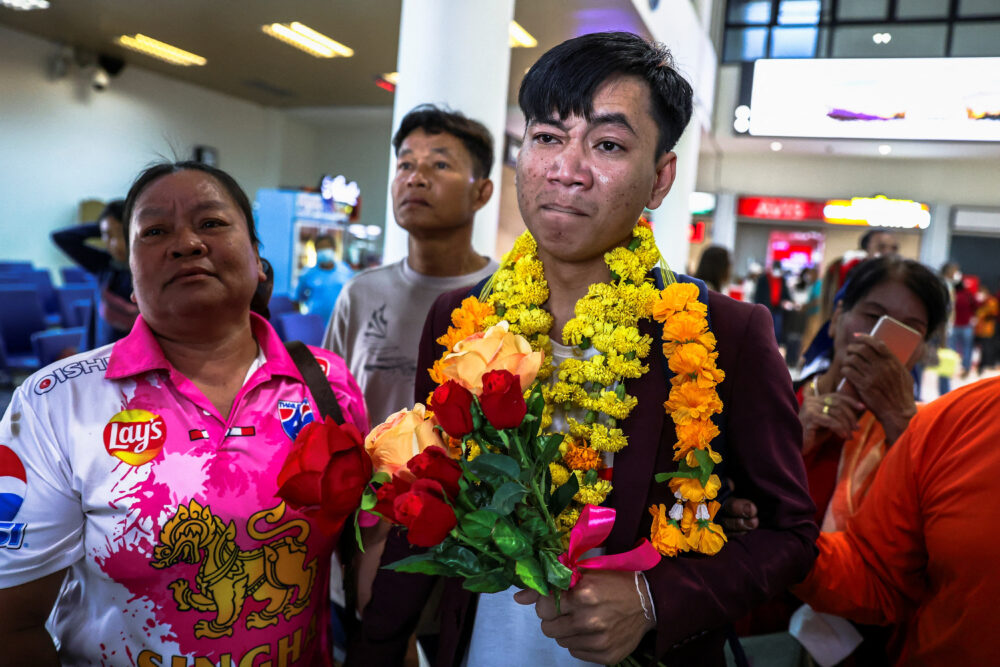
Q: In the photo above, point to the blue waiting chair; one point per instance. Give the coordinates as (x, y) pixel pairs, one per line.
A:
(57, 344)
(296, 326)
(74, 275)
(67, 296)
(281, 304)
(16, 265)
(42, 281)
(21, 315)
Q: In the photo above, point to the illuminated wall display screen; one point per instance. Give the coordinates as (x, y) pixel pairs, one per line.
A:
(945, 99)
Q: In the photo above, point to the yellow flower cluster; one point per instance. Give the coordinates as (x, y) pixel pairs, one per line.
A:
(690, 349)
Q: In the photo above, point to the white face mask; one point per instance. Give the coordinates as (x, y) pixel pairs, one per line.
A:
(957, 277)
(325, 256)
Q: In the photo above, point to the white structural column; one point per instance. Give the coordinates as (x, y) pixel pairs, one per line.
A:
(724, 221)
(672, 221)
(454, 53)
(935, 247)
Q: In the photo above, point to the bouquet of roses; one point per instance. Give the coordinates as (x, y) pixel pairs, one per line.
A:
(478, 490)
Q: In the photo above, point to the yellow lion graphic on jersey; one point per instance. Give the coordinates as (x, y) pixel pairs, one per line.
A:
(275, 573)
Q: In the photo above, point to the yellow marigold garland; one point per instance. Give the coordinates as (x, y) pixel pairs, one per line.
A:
(607, 318)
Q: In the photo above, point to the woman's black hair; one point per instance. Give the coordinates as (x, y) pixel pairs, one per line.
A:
(920, 280)
(565, 79)
(161, 169)
(262, 295)
(714, 266)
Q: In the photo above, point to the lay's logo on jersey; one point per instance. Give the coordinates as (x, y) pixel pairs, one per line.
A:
(135, 436)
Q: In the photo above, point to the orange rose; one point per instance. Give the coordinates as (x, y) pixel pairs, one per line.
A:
(400, 437)
(492, 350)
(689, 401)
(665, 534)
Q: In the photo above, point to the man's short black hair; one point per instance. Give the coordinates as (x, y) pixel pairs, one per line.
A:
(866, 238)
(434, 120)
(566, 78)
(114, 209)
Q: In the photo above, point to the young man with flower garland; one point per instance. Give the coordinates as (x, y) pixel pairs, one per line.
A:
(603, 113)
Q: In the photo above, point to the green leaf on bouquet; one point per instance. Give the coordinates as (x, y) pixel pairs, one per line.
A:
(534, 527)
(532, 574)
(556, 573)
(507, 497)
(487, 464)
(550, 446)
(479, 524)
(511, 541)
(564, 494)
(461, 561)
(421, 564)
(368, 499)
(381, 478)
(493, 581)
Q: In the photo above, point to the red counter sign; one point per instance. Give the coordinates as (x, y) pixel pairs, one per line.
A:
(780, 208)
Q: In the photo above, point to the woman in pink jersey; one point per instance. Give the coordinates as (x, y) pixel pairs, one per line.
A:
(149, 524)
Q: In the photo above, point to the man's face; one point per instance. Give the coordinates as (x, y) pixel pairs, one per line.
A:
(581, 185)
(435, 187)
(883, 243)
(114, 238)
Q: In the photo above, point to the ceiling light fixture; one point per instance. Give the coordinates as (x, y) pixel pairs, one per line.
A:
(884, 149)
(305, 38)
(881, 38)
(521, 38)
(25, 5)
(161, 50)
(392, 77)
(776, 146)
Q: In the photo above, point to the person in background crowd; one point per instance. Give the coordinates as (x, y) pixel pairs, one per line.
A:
(964, 308)
(749, 282)
(319, 286)
(115, 312)
(919, 552)
(846, 433)
(808, 290)
(443, 162)
(164, 538)
(985, 327)
(873, 243)
(772, 292)
(714, 267)
(796, 319)
(603, 113)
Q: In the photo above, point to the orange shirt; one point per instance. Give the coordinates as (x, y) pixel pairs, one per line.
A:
(923, 549)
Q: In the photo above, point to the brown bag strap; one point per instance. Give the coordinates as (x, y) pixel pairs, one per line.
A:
(315, 379)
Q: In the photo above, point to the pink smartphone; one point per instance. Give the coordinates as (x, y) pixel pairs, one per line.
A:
(901, 340)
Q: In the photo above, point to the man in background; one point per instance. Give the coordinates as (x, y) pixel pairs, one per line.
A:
(319, 287)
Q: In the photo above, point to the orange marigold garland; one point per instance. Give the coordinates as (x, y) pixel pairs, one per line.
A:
(690, 349)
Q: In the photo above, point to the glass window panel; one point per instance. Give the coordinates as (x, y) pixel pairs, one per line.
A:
(922, 9)
(907, 41)
(749, 11)
(745, 44)
(967, 8)
(862, 9)
(793, 42)
(981, 38)
(800, 12)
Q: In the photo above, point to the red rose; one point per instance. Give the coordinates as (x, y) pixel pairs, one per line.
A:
(502, 401)
(327, 467)
(387, 493)
(434, 463)
(452, 405)
(427, 517)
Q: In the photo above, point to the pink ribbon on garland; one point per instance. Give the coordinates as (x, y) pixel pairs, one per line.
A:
(590, 531)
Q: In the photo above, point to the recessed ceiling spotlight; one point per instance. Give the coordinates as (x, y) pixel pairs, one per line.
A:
(884, 149)
(741, 125)
(392, 77)
(881, 38)
(776, 146)
(742, 111)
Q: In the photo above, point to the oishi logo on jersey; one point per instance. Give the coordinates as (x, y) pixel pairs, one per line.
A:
(135, 436)
(13, 486)
(294, 416)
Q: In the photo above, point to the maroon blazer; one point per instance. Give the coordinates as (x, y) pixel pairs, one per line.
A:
(696, 597)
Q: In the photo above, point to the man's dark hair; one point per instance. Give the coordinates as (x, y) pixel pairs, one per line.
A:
(161, 169)
(866, 238)
(916, 277)
(114, 209)
(566, 78)
(434, 120)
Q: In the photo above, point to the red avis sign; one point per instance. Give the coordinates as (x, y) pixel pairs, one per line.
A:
(780, 208)
(135, 436)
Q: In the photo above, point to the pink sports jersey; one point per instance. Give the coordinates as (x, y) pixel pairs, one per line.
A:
(116, 466)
